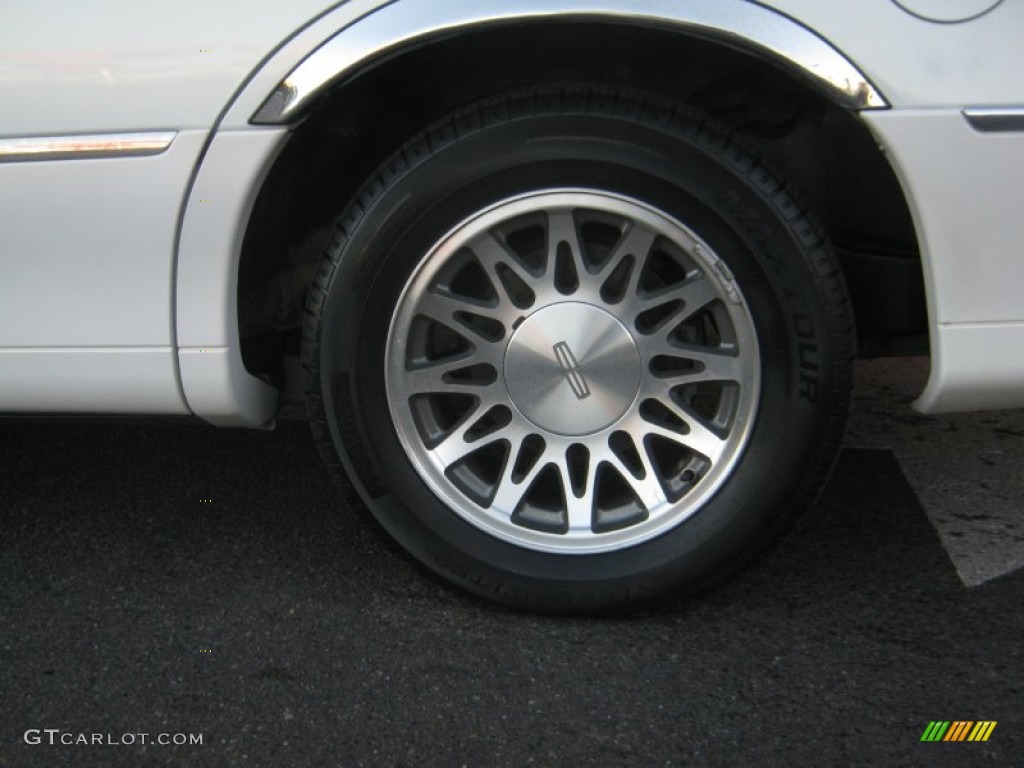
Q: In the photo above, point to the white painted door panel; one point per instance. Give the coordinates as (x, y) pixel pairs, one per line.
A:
(132, 380)
(86, 248)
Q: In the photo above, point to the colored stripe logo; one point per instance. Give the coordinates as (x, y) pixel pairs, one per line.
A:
(959, 730)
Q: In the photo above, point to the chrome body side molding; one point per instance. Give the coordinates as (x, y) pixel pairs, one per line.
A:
(78, 147)
(739, 23)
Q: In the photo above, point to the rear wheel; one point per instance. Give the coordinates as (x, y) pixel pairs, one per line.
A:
(576, 349)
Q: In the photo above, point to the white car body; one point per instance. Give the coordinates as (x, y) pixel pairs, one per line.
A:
(134, 138)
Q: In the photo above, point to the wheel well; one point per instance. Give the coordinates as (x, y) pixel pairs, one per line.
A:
(824, 151)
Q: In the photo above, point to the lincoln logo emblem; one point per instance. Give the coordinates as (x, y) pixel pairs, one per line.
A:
(571, 370)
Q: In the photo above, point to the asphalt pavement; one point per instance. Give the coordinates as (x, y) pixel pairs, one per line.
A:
(172, 579)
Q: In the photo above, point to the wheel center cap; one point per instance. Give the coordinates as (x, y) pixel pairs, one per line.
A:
(572, 369)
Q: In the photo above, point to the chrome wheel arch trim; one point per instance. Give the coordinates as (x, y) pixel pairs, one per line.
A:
(85, 146)
(741, 24)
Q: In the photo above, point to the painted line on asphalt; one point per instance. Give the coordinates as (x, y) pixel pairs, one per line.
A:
(966, 469)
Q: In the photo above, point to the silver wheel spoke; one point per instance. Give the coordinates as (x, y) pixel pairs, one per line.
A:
(698, 437)
(718, 366)
(431, 381)
(425, 381)
(714, 365)
(566, 272)
(509, 492)
(455, 447)
(562, 234)
(491, 255)
(647, 489)
(579, 509)
(696, 294)
(446, 309)
(633, 304)
(636, 243)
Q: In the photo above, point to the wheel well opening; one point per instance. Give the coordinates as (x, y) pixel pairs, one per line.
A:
(822, 150)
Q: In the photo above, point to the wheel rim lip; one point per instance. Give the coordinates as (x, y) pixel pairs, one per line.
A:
(498, 525)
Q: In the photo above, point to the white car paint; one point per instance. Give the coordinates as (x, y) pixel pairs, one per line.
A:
(216, 384)
(99, 275)
(93, 270)
(965, 189)
(117, 380)
(86, 276)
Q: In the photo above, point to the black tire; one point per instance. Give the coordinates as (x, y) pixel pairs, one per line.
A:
(632, 147)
